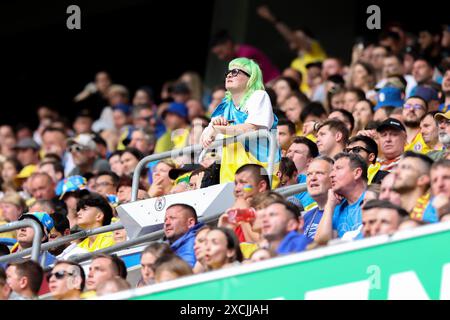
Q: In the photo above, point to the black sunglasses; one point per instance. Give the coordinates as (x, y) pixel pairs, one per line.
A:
(76, 148)
(235, 72)
(357, 149)
(58, 275)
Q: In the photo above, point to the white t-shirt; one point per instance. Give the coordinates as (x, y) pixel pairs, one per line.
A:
(259, 109)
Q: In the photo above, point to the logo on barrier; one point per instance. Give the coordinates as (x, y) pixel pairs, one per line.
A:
(160, 204)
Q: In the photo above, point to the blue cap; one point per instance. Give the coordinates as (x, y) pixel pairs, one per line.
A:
(43, 218)
(71, 184)
(123, 107)
(179, 109)
(389, 97)
(425, 92)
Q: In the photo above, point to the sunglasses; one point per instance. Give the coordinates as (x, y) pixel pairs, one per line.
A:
(76, 148)
(58, 275)
(235, 72)
(413, 106)
(356, 150)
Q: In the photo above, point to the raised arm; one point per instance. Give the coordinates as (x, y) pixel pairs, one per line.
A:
(325, 229)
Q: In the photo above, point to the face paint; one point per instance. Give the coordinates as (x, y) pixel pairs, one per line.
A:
(248, 188)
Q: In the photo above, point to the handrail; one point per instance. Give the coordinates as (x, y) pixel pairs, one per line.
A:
(60, 241)
(198, 148)
(37, 238)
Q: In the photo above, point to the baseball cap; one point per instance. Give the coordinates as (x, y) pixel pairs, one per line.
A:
(389, 97)
(126, 109)
(179, 109)
(391, 123)
(175, 173)
(84, 140)
(440, 116)
(26, 171)
(71, 184)
(43, 218)
(425, 92)
(27, 143)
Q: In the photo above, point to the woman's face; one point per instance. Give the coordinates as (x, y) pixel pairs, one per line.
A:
(200, 246)
(350, 100)
(10, 211)
(129, 162)
(8, 171)
(162, 172)
(282, 90)
(236, 84)
(362, 112)
(147, 272)
(360, 77)
(338, 101)
(116, 165)
(216, 254)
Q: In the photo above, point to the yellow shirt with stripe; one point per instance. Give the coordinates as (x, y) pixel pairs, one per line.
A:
(102, 241)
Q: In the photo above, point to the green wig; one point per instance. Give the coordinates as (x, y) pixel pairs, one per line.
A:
(255, 82)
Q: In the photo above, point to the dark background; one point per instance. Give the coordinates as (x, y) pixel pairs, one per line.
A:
(147, 42)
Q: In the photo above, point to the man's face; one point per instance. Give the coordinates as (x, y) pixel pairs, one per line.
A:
(129, 163)
(284, 137)
(100, 271)
(50, 170)
(360, 148)
(339, 116)
(177, 222)
(377, 57)
(318, 178)
(446, 83)
(14, 280)
(82, 125)
(392, 66)
(422, 72)
(342, 175)
(444, 131)
(145, 119)
(105, 185)
(277, 222)
(407, 175)
(425, 40)
(392, 142)
(139, 142)
(82, 156)
(387, 190)
(330, 67)
(141, 98)
(173, 121)
(59, 288)
(42, 188)
(440, 181)
(54, 142)
(25, 237)
(26, 156)
(326, 140)
(293, 109)
(369, 220)
(387, 222)
(299, 154)
(413, 110)
(224, 51)
(429, 130)
(245, 186)
(120, 119)
(88, 216)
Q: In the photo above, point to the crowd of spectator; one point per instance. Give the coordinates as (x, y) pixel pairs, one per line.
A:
(369, 140)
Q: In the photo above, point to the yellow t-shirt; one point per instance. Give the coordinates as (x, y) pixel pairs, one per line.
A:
(169, 141)
(418, 145)
(102, 240)
(316, 54)
(247, 249)
(9, 234)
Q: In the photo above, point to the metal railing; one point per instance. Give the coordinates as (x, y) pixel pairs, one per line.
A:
(273, 144)
(26, 223)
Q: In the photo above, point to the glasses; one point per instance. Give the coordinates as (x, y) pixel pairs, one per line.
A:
(58, 274)
(235, 72)
(356, 150)
(76, 148)
(443, 121)
(413, 107)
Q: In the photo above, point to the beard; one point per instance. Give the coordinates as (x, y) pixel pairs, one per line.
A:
(444, 138)
(412, 123)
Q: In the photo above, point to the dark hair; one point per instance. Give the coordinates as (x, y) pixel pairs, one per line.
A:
(158, 249)
(190, 209)
(114, 177)
(172, 263)
(337, 79)
(32, 271)
(97, 201)
(61, 222)
(356, 161)
(420, 98)
(16, 163)
(2, 277)
(135, 152)
(57, 166)
(293, 85)
(368, 67)
(348, 115)
(287, 167)
(220, 37)
(371, 145)
(53, 129)
(127, 181)
(389, 34)
(312, 108)
(80, 269)
(115, 153)
(312, 147)
(336, 126)
(358, 92)
(384, 204)
(427, 161)
(289, 124)
(53, 157)
(259, 173)
(427, 60)
(290, 207)
(232, 243)
(117, 264)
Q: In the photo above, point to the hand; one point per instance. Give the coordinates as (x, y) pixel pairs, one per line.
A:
(309, 127)
(219, 121)
(156, 189)
(265, 13)
(208, 136)
(224, 222)
(442, 204)
(333, 199)
(369, 133)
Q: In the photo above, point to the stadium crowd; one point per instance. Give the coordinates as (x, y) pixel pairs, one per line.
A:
(369, 139)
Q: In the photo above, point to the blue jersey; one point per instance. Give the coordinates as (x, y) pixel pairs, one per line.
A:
(347, 217)
(312, 219)
(305, 199)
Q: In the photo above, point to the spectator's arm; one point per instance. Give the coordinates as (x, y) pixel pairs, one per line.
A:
(325, 229)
